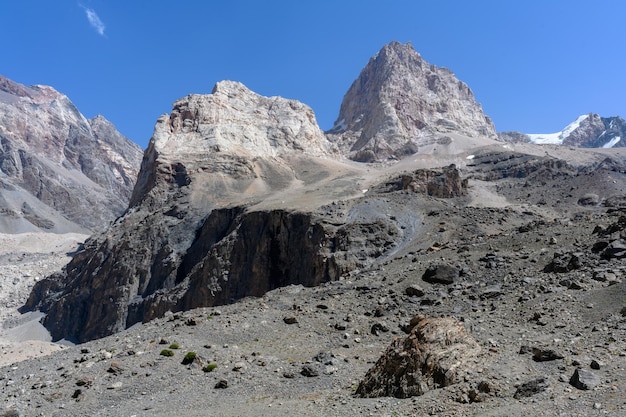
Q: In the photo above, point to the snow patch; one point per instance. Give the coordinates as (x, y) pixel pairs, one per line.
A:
(470, 156)
(558, 137)
(340, 125)
(612, 142)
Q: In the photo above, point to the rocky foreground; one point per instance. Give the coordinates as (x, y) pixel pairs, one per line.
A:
(538, 300)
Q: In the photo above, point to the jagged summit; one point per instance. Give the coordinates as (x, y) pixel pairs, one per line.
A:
(59, 171)
(224, 132)
(399, 101)
(587, 131)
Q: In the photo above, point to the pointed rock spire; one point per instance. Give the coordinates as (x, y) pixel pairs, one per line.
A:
(399, 101)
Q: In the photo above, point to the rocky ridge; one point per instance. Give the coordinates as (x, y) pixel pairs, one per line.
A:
(203, 234)
(587, 131)
(61, 172)
(400, 102)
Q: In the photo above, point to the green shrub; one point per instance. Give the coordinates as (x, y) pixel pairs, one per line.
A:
(174, 346)
(189, 358)
(167, 352)
(209, 367)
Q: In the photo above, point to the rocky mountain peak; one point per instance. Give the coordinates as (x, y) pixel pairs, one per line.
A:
(224, 132)
(400, 101)
(587, 131)
(234, 119)
(61, 172)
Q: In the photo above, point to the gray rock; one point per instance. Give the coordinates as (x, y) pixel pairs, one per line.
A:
(221, 384)
(532, 387)
(543, 355)
(309, 370)
(584, 380)
(414, 291)
(441, 274)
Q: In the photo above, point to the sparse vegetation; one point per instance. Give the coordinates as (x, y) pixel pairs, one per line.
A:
(167, 352)
(209, 367)
(174, 346)
(189, 358)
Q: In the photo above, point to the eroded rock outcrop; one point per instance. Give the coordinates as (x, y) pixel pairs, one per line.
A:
(61, 172)
(193, 234)
(208, 221)
(436, 354)
(400, 102)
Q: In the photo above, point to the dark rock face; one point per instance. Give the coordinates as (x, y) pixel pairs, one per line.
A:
(436, 354)
(399, 102)
(490, 166)
(71, 173)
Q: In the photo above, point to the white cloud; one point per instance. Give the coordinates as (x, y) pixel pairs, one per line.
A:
(95, 21)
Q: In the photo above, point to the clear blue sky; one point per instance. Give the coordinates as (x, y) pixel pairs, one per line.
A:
(533, 65)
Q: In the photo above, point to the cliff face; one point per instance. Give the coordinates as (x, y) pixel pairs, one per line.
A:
(400, 101)
(62, 172)
(208, 221)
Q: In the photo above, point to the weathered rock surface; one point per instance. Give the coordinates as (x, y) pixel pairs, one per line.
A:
(584, 380)
(400, 102)
(195, 233)
(435, 355)
(61, 172)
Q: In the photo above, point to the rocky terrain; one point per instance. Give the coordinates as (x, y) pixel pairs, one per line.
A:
(60, 172)
(261, 270)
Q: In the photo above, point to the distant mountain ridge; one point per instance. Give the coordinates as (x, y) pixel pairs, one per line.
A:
(587, 131)
(59, 171)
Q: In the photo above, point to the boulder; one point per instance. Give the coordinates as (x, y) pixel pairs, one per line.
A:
(441, 274)
(437, 353)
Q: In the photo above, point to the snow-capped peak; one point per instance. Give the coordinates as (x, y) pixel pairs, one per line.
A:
(558, 137)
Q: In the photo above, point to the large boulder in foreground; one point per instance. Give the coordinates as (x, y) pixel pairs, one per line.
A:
(436, 354)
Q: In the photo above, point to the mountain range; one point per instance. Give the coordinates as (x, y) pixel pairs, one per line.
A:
(59, 172)
(260, 265)
(587, 131)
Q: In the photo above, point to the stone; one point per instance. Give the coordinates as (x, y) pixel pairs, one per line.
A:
(221, 384)
(115, 368)
(436, 354)
(290, 320)
(563, 262)
(309, 371)
(584, 380)
(441, 274)
(378, 328)
(532, 387)
(544, 354)
(414, 291)
(595, 364)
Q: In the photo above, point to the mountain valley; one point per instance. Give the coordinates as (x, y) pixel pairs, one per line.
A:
(410, 261)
